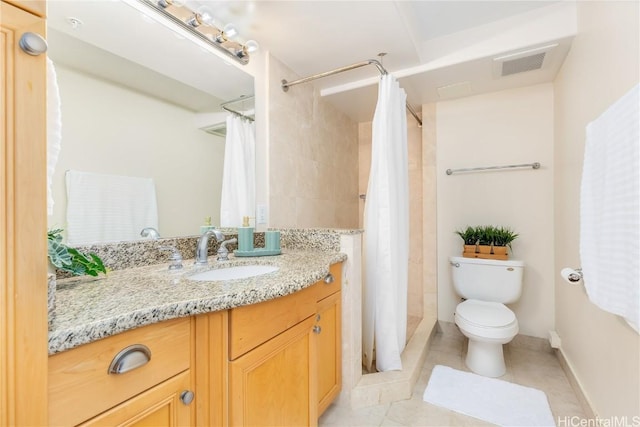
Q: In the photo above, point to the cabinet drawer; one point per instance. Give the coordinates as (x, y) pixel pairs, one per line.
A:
(325, 289)
(81, 387)
(251, 325)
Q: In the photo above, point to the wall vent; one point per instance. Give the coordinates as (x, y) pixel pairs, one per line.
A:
(219, 129)
(521, 61)
(521, 65)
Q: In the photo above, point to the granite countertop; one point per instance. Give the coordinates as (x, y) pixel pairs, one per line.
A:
(88, 310)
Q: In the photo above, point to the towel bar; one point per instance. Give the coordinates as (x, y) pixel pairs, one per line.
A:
(535, 165)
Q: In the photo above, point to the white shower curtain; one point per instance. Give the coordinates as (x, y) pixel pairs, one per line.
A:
(238, 177)
(386, 224)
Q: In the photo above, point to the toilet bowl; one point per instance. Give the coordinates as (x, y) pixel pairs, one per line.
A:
(488, 325)
(483, 317)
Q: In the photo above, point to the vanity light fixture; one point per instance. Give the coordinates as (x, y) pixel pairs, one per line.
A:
(201, 24)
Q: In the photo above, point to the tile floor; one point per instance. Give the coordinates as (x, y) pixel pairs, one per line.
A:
(539, 369)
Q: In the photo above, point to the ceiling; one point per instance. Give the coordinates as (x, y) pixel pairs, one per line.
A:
(438, 50)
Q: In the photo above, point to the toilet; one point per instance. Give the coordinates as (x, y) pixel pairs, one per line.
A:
(486, 285)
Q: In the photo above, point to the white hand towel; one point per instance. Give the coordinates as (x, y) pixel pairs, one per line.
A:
(108, 208)
(610, 210)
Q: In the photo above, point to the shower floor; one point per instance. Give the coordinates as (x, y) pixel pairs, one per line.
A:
(412, 325)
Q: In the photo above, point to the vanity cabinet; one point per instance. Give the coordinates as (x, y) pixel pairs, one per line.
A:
(285, 365)
(327, 329)
(155, 364)
(275, 363)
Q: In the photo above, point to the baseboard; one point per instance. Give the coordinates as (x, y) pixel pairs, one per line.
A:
(575, 385)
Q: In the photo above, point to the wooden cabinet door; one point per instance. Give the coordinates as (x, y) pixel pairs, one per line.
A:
(23, 223)
(274, 384)
(160, 406)
(329, 350)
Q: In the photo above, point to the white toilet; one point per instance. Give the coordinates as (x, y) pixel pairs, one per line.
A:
(487, 285)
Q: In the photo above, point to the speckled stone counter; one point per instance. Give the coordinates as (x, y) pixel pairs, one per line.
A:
(125, 299)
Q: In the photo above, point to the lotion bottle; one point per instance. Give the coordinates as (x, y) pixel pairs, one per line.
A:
(245, 236)
(207, 225)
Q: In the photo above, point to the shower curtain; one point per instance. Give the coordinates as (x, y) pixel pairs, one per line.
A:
(386, 224)
(238, 176)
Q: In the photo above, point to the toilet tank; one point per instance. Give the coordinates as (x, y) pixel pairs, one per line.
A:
(487, 279)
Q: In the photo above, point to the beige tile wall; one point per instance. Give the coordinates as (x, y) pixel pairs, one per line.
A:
(313, 158)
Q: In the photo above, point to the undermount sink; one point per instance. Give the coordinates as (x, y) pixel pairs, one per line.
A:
(232, 273)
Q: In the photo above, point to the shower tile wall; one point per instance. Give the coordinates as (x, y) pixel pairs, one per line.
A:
(313, 158)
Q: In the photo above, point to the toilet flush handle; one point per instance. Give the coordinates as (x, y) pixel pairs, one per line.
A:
(455, 264)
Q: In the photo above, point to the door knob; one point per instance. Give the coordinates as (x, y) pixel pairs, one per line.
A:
(187, 397)
(33, 44)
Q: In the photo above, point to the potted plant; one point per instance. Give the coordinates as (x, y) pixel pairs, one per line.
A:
(470, 238)
(485, 238)
(71, 260)
(503, 236)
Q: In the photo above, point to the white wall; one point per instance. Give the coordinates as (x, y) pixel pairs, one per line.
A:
(110, 129)
(602, 350)
(501, 128)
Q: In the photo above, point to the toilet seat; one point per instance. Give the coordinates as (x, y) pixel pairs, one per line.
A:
(486, 313)
(486, 319)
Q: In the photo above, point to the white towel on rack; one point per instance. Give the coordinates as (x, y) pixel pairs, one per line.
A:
(54, 129)
(108, 208)
(610, 210)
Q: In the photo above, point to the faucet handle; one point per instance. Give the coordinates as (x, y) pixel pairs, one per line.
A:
(223, 251)
(175, 259)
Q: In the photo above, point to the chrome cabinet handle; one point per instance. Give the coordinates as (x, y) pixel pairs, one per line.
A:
(187, 397)
(328, 279)
(317, 329)
(33, 44)
(130, 358)
(455, 264)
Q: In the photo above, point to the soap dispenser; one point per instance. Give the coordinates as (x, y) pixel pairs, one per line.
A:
(245, 236)
(207, 225)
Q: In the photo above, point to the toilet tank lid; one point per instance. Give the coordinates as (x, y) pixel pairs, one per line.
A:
(506, 263)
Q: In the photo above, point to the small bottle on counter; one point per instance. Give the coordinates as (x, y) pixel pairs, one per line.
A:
(245, 236)
(207, 225)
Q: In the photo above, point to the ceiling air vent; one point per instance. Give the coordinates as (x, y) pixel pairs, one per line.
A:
(522, 61)
(520, 65)
(219, 129)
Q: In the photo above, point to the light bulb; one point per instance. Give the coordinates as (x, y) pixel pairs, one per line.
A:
(166, 3)
(251, 46)
(230, 31)
(205, 15)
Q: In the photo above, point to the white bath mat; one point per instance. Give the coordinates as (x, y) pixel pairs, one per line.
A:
(488, 399)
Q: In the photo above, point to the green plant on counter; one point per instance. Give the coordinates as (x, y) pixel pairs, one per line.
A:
(503, 236)
(70, 259)
(469, 235)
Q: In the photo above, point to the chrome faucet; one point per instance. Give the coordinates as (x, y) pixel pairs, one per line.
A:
(150, 232)
(202, 250)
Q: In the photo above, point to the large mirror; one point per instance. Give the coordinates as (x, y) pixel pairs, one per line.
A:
(138, 100)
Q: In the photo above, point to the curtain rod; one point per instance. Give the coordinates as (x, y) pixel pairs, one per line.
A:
(238, 113)
(233, 101)
(286, 85)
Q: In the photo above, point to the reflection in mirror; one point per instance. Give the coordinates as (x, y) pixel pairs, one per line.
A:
(138, 101)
